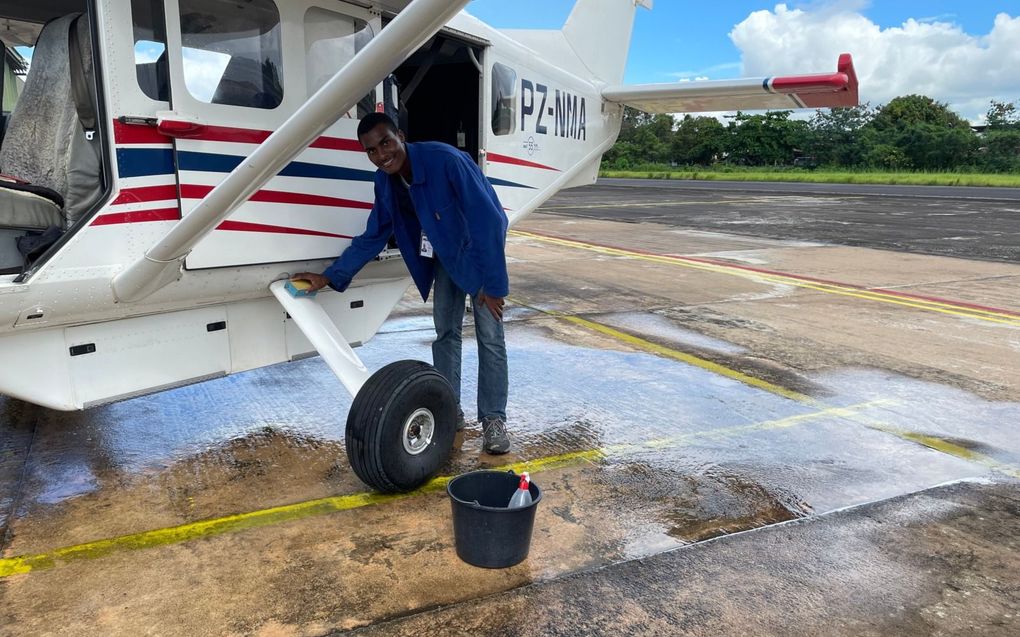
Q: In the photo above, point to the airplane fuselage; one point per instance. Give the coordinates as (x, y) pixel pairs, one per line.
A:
(534, 122)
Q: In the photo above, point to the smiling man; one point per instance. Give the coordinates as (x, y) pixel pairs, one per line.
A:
(451, 229)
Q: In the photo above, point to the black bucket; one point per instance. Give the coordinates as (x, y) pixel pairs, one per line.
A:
(485, 532)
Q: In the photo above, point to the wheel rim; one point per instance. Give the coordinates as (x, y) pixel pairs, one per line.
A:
(419, 428)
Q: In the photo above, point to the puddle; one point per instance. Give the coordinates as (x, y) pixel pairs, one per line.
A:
(687, 454)
(659, 326)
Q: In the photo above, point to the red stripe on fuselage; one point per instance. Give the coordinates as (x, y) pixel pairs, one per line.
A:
(146, 193)
(137, 216)
(507, 159)
(193, 191)
(246, 226)
(137, 134)
(143, 134)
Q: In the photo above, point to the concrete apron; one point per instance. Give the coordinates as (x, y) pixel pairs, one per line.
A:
(658, 402)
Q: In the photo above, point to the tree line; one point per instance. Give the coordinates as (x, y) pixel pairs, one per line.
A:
(912, 132)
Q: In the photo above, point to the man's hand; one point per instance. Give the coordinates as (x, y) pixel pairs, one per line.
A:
(317, 280)
(494, 303)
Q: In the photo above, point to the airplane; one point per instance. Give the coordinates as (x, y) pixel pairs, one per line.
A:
(168, 163)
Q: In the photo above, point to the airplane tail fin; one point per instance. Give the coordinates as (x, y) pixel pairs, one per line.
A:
(599, 32)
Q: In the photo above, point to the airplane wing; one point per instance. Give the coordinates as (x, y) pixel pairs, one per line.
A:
(390, 6)
(795, 91)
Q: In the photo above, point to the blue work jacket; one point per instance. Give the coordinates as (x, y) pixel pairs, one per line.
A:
(456, 207)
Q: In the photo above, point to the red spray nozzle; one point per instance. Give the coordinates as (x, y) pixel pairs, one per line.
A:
(525, 481)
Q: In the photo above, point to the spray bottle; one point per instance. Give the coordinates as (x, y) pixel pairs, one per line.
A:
(521, 497)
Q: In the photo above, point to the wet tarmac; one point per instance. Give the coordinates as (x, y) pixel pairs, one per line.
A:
(972, 223)
(669, 385)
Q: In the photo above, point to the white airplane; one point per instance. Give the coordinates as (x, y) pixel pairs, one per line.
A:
(168, 162)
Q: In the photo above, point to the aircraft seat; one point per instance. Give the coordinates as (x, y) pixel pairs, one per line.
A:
(46, 146)
(153, 78)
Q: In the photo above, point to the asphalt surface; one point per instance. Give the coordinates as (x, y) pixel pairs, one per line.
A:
(947, 192)
(970, 223)
(734, 434)
(783, 579)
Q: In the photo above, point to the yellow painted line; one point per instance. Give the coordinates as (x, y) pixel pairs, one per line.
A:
(275, 515)
(255, 519)
(690, 359)
(829, 288)
(311, 508)
(944, 446)
(668, 352)
(931, 442)
(732, 432)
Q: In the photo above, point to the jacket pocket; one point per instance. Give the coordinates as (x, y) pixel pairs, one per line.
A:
(445, 213)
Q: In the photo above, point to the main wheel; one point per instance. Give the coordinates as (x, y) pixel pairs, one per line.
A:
(401, 426)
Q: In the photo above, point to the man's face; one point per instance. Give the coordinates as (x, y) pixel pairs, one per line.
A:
(385, 149)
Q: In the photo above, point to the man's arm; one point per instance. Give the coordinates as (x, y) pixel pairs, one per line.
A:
(486, 223)
(363, 249)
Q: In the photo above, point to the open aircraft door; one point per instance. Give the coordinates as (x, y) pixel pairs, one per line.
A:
(239, 71)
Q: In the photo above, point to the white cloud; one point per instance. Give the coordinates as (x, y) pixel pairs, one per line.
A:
(708, 72)
(933, 58)
(202, 72)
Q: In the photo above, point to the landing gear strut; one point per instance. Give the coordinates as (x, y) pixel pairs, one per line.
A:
(401, 426)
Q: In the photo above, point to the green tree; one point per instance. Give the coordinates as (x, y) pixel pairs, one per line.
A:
(765, 140)
(836, 137)
(1000, 143)
(644, 139)
(926, 133)
(698, 140)
(1002, 115)
(916, 109)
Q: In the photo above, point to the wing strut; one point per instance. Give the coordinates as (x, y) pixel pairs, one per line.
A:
(325, 337)
(163, 262)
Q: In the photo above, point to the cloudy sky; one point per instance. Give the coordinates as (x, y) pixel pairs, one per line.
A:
(964, 53)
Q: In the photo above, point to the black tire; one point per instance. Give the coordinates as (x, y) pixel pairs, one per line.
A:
(375, 437)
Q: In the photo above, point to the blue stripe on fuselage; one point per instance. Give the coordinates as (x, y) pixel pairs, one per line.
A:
(504, 182)
(216, 163)
(144, 162)
(141, 162)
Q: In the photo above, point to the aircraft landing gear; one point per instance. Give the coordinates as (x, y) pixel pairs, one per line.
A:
(401, 426)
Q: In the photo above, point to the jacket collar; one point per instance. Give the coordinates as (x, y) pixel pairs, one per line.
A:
(417, 163)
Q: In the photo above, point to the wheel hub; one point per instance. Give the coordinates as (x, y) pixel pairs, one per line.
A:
(418, 431)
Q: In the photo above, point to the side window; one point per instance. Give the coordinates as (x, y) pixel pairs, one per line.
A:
(149, 28)
(504, 90)
(331, 41)
(14, 69)
(231, 52)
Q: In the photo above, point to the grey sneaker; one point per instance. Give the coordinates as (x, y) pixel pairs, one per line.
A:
(494, 437)
(460, 419)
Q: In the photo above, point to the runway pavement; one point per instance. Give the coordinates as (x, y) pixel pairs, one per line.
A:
(971, 223)
(785, 432)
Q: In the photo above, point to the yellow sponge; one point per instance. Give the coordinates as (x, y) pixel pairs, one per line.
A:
(300, 287)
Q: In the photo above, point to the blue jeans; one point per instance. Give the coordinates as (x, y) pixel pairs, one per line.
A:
(448, 315)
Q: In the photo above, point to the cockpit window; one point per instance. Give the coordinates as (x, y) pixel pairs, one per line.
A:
(149, 29)
(14, 67)
(504, 90)
(232, 52)
(331, 41)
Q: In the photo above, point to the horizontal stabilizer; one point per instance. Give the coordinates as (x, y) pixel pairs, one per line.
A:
(796, 91)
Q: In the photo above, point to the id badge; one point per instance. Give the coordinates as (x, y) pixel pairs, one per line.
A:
(426, 247)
